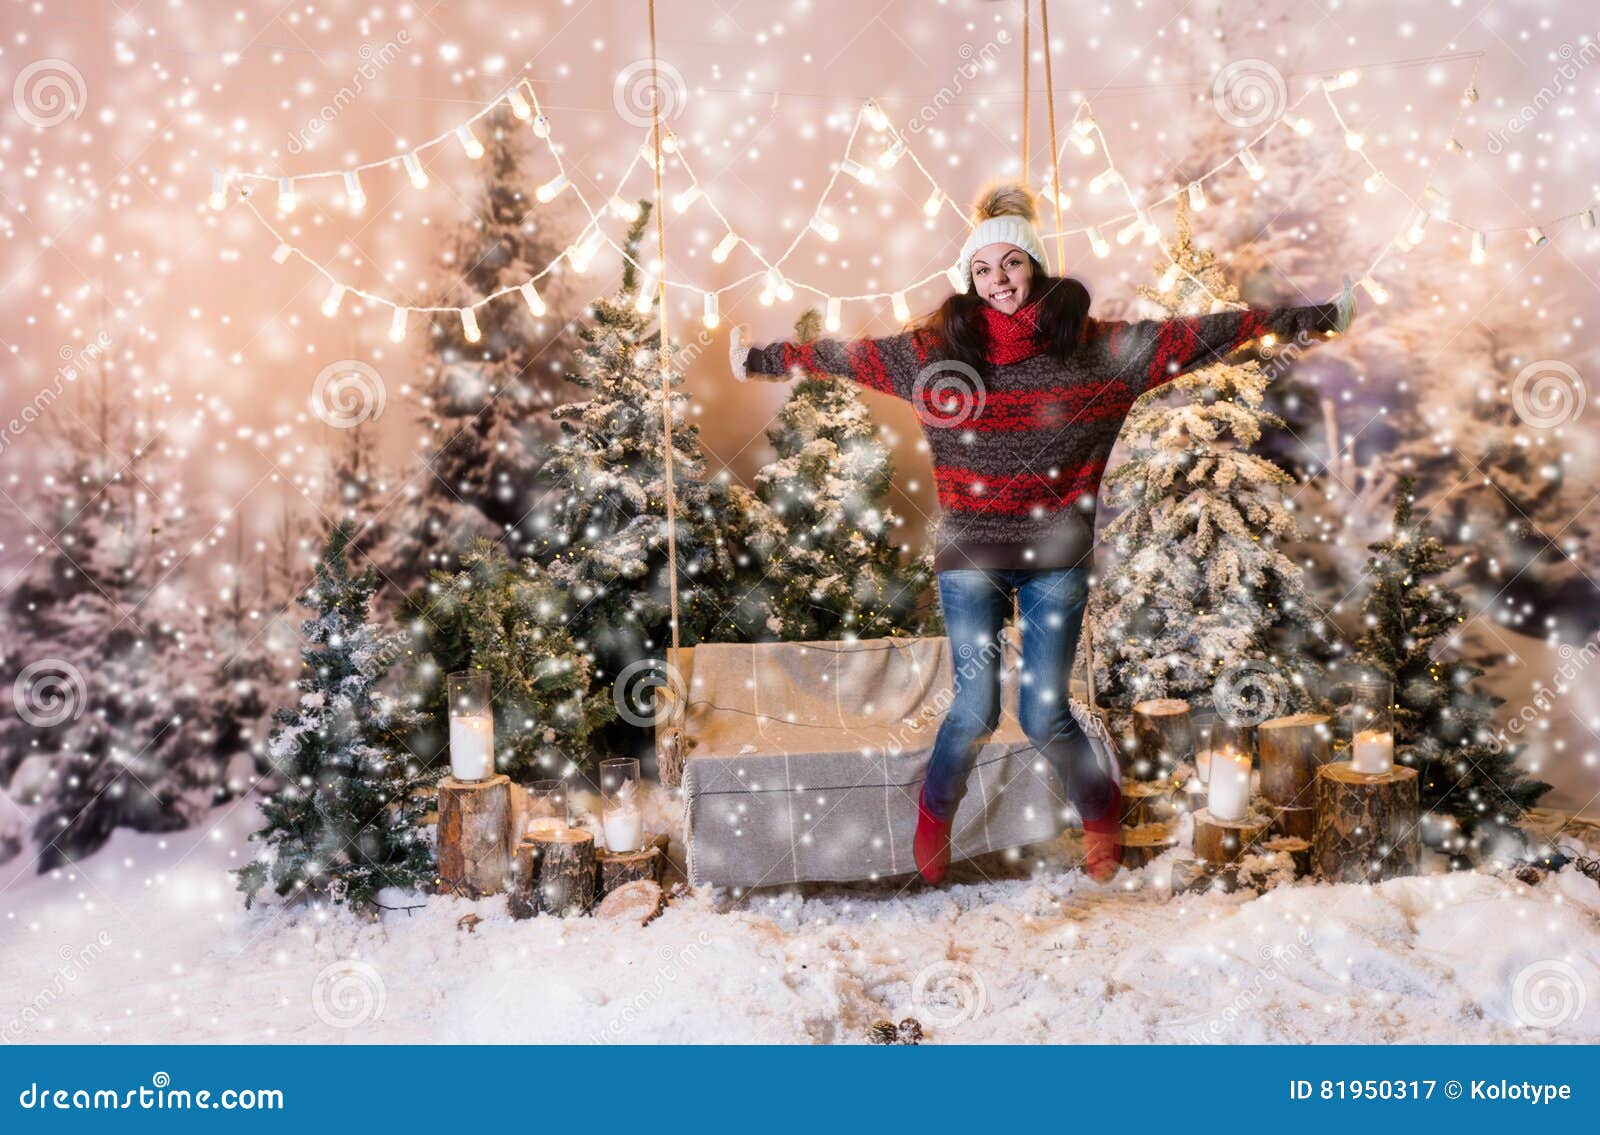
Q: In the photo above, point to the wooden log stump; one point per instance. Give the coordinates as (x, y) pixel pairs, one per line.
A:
(1163, 738)
(617, 868)
(1148, 802)
(638, 901)
(1300, 823)
(474, 835)
(1292, 750)
(1142, 844)
(1227, 841)
(1197, 877)
(1298, 851)
(1367, 826)
(555, 874)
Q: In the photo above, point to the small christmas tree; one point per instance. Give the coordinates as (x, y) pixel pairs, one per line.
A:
(1472, 791)
(509, 621)
(602, 533)
(833, 568)
(346, 821)
(1200, 590)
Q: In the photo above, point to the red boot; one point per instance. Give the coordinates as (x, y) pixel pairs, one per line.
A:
(932, 844)
(1102, 840)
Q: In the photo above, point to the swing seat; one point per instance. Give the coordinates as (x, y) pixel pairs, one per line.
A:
(803, 761)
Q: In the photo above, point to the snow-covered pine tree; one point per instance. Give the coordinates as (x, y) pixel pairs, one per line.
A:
(601, 534)
(482, 405)
(1199, 586)
(509, 621)
(102, 645)
(1473, 794)
(833, 570)
(346, 820)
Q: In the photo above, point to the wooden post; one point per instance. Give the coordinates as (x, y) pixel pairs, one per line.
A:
(1292, 750)
(1227, 841)
(555, 874)
(1367, 827)
(619, 867)
(1163, 738)
(474, 834)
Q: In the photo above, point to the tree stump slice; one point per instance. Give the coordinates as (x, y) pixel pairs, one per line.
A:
(1163, 738)
(638, 901)
(617, 868)
(1227, 841)
(1142, 844)
(1292, 750)
(474, 834)
(1148, 802)
(555, 874)
(1298, 851)
(1367, 827)
(1300, 823)
(1197, 877)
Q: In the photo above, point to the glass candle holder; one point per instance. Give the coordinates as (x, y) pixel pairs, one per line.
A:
(547, 807)
(471, 725)
(1215, 734)
(621, 813)
(1369, 717)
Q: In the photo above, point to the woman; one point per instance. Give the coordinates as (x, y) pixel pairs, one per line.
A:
(1021, 394)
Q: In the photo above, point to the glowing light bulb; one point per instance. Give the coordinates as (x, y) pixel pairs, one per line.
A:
(1085, 144)
(628, 211)
(531, 297)
(957, 278)
(219, 190)
(1168, 278)
(1197, 196)
(935, 201)
(1103, 179)
(519, 105)
(1251, 165)
(287, 198)
(1373, 183)
(1126, 234)
(1418, 227)
(1098, 242)
(541, 126)
(1480, 247)
(546, 193)
(355, 197)
(778, 286)
(647, 151)
(724, 246)
(1354, 140)
(330, 305)
(469, 325)
(709, 315)
(1536, 236)
(281, 253)
(1379, 294)
(861, 173)
(414, 170)
(646, 295)
(469, 141)
(1586, 219)
(889, 157)
(902, 310)
(824, 228)
(1301, 126)
(1470, 94)
(1084, 125)
(669, 142)
(688, 197)
(875, 116)
(397, 325)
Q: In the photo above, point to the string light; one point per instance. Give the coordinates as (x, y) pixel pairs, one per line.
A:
(219, 190)
(1536, 236)
(1103, 179)
(469, 141)
(861, 173)
(891, 156)
(830, 319)
(647, 288)
(282, 253)
(519, 105)
(824, 228)
(1251, 165)
(1098, 242)
(541, 127)
(875, 115)
(626, 210)
(1354, 140)
(710, 316)
(335, 296)
(469, 325)
(724, 246)
(1300, 125)
(1416, 230)
(1379, 294)
(1197, 196)
(546, 193)
(957, 278)
(418, 175)
(1586, 219)
(531, 296)
(688, 197)
(902, 310)
(355, 197)
(935, 201)
(1480, 246)
(397, 325)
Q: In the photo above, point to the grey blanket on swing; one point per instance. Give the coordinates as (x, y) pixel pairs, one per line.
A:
(805, 761)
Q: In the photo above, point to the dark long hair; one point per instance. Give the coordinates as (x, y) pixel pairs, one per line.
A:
(1063, 310)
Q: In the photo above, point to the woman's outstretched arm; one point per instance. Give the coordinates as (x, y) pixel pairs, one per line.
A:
(890, 365)
(1151, 352)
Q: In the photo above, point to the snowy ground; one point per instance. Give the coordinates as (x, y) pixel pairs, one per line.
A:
(149, 943)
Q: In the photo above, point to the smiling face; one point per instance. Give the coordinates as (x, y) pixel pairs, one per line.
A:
(1002, 275)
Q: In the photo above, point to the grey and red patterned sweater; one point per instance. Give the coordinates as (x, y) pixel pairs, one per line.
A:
(1019, 448)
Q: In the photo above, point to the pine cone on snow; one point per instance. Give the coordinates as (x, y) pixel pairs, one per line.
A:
(882, 1032)
(910, 1031)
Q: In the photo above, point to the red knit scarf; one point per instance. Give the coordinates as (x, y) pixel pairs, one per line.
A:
(1012, 338)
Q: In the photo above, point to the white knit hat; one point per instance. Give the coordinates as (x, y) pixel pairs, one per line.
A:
(1004, 213)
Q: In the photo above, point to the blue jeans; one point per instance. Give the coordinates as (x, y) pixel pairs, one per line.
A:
(976, 603)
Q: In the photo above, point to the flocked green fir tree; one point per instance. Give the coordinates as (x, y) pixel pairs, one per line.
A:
(345, 820)
(1200, 591)
(601, 534)
(508, 620)
(834, 570)
(1473, 794)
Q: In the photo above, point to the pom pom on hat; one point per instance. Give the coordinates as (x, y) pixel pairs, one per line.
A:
(1003, 213)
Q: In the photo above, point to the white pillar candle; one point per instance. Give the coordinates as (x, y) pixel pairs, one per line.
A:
(1228, 789)
(1202, 765)
(624, 828)
(472, 746)
(1372, 751)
